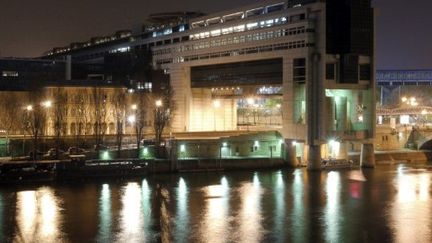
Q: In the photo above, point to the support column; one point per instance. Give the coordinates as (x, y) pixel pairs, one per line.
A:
(314, 157)
(367, 156)
(290, 153)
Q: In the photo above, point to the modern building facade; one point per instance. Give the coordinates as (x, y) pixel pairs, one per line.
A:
(304, 68)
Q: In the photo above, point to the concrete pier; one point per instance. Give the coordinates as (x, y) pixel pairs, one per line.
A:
(367, 155)
(314, 157)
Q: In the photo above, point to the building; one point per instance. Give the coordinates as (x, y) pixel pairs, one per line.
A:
(304, 68)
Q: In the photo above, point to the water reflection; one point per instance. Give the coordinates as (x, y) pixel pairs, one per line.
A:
(280, 208)
(249, 218)
(298, 213)
(131, 218)
(146, 208)
(1, 218)
(37, 216)
(410, 212)
(393, 205)
(182, 217)
(105, 215)
(216, 220)
(332, 211)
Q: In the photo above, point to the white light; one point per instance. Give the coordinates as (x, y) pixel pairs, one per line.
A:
(404, 99)
(278, 106)
(134, 107)
(224, 144)
(216, 103)
(182, 148)
(424, 112)
(250, 101)
(294, 143)
(256, 143)
(158, 103)
(360, 118)
(131, 119)
(29, 108)
(380, 120)
(47, 104)
(404, 119)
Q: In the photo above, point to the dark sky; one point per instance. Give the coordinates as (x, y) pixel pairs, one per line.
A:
(30, 27)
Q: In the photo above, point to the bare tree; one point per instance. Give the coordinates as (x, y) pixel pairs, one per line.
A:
(119, 114)
(35, 118)
(60, 105)
(83, 117)
(8, 103)
(100, 115)
(163, 111)
(140, 116)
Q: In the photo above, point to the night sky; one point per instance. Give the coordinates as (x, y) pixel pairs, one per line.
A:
(30, 27)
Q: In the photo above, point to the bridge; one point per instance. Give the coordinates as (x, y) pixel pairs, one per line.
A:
(403, 77)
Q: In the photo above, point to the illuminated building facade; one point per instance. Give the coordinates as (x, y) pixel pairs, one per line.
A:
(304, 68)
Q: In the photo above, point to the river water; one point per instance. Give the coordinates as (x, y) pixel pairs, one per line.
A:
(387, 204)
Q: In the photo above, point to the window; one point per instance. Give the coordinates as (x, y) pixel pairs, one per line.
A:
(365, 73)
(10, 74)
(330, 71)
(299, 70)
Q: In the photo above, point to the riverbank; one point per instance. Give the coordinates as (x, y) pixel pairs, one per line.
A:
(397, 156)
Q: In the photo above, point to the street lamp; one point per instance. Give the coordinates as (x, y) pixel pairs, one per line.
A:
(47, 104)
(29, 108)
(131, 119)
(158, 103)
(134, 107)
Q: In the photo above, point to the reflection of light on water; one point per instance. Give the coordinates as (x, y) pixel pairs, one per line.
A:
(105, 216)
(131, 217)
(37, 216)
(279, 211)
(332, 214)
(250, 216)
(182, 219)
(215, 225)
(1, 216)
(298, 214)
(26, 214)
(411, 210)
(146, 207)
(48, 210)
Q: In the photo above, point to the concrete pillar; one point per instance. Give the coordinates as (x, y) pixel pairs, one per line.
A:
(314, 157)
(367, 156)
(290, 153)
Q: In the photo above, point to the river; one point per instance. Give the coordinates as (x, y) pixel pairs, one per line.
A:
(388, 204)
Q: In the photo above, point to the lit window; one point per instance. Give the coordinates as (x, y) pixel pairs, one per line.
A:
(10, 74)
(252, 25)
(215, 33)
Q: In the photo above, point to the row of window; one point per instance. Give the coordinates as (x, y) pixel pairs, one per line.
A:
(243, 39)
(364, 71)
(249, 26)
(243, 51)
(299, 70)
